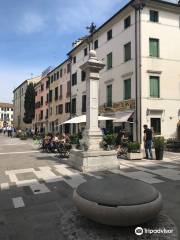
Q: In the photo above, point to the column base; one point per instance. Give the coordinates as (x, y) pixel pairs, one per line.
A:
(88, 161)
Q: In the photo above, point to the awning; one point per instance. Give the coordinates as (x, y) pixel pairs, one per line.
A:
(82, 118)
(122, 117)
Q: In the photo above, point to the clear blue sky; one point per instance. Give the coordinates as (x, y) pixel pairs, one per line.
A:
(38, 33)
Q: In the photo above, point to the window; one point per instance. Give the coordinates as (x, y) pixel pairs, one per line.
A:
(41, 100)
(61, 73)
(85, 52)
(57, 75)
(73, 106)
(83, 76)
(68, 67)
(156, 125)
(154, 87)
(47, 113)
(61, 92)
(50, 96)
(68, 93)
(67, 107)
(52, 79)
(127, 52)
(109, 60)
(47, 98)
(74, 79)
(96, 44)
(154, 47)
(109, 34)
(56, 94)
(42, 87)
(83, 103)
(47, 83)
(51, 111)
(154, 16)
(60, 109)
(127, 89)
(127, 22)
(74, 59)
(109, 95)
(41, 115)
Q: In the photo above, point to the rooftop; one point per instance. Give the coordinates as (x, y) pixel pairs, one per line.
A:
(7, 105)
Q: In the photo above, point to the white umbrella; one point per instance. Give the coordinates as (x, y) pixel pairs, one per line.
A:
(82, 118)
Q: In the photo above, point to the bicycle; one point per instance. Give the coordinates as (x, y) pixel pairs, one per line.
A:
(123, 150)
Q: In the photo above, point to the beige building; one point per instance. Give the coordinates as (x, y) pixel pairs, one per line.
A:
(140, 83)
(19, 94)
(6, 114)
(59, 97)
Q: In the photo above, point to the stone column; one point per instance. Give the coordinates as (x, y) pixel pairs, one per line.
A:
(93, 158)
(92, 135)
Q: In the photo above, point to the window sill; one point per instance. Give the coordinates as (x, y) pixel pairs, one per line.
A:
(125, 61)
(154, 57)
(154, 98)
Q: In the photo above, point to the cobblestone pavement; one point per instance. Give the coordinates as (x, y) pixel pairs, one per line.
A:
(36, 188)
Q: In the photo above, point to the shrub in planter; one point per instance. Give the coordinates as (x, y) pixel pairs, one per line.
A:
(159, 145)
(74, 140)
(23, 136)
(133, 147)
(134, 152)
(109, 141)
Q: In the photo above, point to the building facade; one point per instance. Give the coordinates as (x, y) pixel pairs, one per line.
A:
(59, 97)
(140, 82)
(19, 94)
(40, 122)
(6, 114)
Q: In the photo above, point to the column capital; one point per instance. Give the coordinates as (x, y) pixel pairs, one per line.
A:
(93, 64)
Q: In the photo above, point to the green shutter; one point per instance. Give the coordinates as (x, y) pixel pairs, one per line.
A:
(154, 87)
(109, 60)
(154, 47)
(109, 96)
(127, 52)
(127, 89)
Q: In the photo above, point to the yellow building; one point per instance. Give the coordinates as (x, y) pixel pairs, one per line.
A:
(59, 97)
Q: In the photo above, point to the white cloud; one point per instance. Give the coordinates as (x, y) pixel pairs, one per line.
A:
(31, 22)
(79, 14)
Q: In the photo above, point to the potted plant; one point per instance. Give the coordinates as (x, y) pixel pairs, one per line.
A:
(159, 144)
(74, 140)
(109, 141)
(23, 136)
(134, 151)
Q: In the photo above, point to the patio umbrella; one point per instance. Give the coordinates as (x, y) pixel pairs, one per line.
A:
(82, 118)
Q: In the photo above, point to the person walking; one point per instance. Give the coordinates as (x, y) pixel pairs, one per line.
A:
(148, 142)
(10, 131)
(4, 130)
